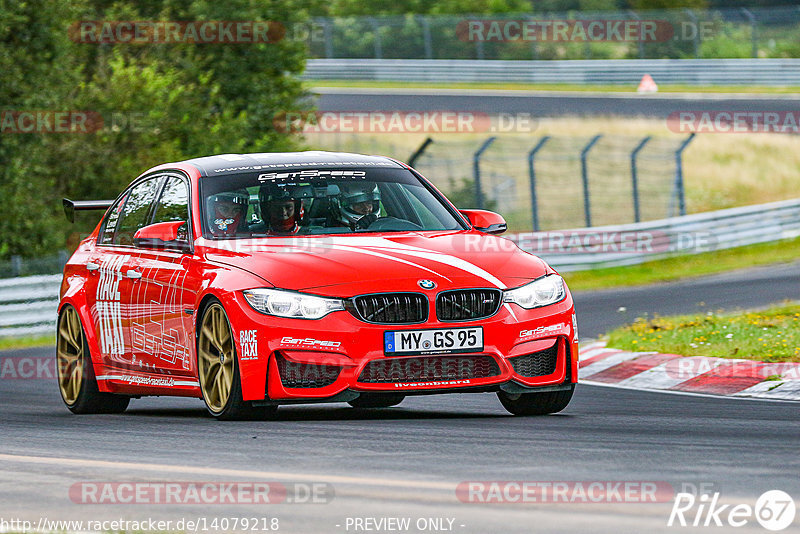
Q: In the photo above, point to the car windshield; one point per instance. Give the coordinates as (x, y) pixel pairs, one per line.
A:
(321, 202)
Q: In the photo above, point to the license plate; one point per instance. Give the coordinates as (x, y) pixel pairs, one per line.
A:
(440, 341)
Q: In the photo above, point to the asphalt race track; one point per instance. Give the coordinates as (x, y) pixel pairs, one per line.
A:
(545, 104)
(407, 461)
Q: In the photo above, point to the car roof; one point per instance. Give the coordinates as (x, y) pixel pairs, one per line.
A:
(239, 163)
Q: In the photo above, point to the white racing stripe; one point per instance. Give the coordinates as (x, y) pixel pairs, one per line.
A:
(233, 473)
(438, 257)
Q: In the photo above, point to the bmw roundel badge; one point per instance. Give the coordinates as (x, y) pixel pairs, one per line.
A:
(427, 284)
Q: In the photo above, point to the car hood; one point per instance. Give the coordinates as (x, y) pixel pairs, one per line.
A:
(356, 264)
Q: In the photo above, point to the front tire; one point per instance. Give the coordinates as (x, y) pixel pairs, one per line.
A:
(76, 379)
(218, 369)
(536, 403)
(377, 400)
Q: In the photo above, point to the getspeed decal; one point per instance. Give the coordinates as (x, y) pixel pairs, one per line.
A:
(109, 306)
(309, 342)
(542, 330)
(311, 174)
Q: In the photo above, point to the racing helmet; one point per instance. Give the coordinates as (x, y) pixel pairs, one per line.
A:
(226, 211)
(281, 207)
(358, 204)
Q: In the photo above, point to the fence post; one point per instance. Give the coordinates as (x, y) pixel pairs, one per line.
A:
(327, 25)
(16, 265)
(476, 166)
(696, 39)
(426, 37)
(419, 151)
(753, 30)
(532, 177)
(587, 206)
(534, 48)
(635, 178)
(679, 190)
(640, 42)
(376, 35)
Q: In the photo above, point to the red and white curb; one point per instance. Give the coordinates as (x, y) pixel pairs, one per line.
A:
(689, 374)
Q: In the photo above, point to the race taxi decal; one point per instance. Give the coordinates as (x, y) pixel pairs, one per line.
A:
(542, 330)
(248, 339)
(108, 305)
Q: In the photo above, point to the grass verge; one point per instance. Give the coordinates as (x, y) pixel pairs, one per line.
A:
(771, 335)
(7, 343)
(311, 84)
(681, 267)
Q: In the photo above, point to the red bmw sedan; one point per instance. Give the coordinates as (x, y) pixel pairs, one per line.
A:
(256, 280)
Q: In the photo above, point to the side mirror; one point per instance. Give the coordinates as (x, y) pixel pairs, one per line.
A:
(161, 236)
(486, 221)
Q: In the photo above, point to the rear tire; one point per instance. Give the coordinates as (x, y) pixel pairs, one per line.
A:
(218, 369)
(76, 379)
(536, 403)
(377, 400)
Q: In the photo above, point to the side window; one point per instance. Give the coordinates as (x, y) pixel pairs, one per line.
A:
(134, 214)
(174, 205)
(110, 224)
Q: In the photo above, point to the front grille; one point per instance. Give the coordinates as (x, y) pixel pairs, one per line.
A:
(391, 308)
(467, 304)
(428, 368)
(306, 375)
(536, 364)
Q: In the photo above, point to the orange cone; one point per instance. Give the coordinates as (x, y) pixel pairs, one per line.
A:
(647, 85)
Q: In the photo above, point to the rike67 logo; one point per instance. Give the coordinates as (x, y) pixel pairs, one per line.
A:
(774, 510)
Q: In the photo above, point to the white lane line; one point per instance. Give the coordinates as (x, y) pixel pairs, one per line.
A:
(684, 393)
(215, 471)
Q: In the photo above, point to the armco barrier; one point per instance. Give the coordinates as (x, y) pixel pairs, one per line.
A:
(28, 305)
(777, 72)
(630, 244)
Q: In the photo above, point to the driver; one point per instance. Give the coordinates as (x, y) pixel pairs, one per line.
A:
(281, 209)
(358, 204)
(226, 212)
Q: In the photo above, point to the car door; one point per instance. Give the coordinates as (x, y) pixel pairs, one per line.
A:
(159, 334)
(112, 272)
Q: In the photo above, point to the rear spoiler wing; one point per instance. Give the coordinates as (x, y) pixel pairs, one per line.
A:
(70, 206)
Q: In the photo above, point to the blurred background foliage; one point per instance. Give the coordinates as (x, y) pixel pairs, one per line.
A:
(159, 103)
(168, 102)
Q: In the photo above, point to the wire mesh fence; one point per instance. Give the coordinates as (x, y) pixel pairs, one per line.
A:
(545, 183)
(676, 33)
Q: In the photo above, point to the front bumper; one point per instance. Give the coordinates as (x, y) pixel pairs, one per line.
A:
(338, 357)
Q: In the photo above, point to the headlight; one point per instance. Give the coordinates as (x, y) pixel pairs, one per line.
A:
(291, 304)
(546, 290)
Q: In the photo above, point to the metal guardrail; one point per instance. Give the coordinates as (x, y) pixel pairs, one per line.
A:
(631, 244)
(28, 304)
(774, 72)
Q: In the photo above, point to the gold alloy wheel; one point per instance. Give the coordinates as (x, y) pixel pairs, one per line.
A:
(216, 358)
(69, 355)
